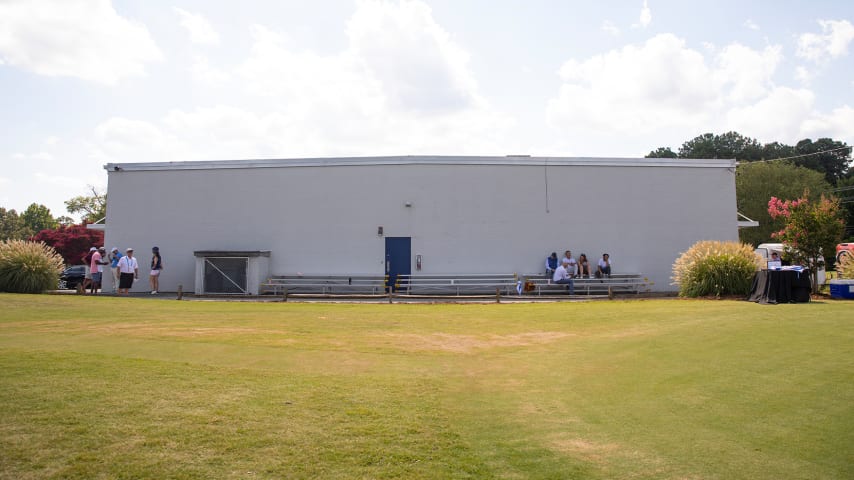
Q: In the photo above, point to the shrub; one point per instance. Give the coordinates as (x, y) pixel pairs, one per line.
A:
(28, 267)
(716, 268)
(845, 266)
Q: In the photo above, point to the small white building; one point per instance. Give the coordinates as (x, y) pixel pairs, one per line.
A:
(456, 214)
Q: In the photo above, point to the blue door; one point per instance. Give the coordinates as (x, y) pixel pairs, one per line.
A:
(398, 252)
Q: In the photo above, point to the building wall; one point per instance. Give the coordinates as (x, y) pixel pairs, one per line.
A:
(469, 217)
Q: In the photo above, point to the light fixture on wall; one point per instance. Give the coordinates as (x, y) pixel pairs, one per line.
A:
(408, 204)
(380, 231)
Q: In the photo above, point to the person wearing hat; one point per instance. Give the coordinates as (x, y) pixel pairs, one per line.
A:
(128, 271)
(562, 276)
(114, 267)
(156, 267)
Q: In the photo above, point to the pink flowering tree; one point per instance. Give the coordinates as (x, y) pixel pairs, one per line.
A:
(810, 229)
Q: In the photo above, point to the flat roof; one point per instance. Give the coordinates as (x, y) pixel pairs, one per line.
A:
(521, 160)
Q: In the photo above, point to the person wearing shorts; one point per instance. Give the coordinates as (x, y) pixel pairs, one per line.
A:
(128, 271)
(87, 261)
(95, 267)
(156, 267)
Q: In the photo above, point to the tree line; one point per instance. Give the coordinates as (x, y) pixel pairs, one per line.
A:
(70, 240)
(787, 172)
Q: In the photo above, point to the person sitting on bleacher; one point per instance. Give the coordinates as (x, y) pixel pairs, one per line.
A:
(583, 266)
(572, 264)
(604, 267)
(562, 276)
(551, 264)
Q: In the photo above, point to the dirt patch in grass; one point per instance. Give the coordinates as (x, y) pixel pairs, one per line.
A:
(445, 342)
(610, 455)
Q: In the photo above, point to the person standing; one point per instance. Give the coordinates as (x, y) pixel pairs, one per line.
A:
(156, 267)
(562, 276)
(114, 267)
(96, 269)
(128, 271)
(87, 260)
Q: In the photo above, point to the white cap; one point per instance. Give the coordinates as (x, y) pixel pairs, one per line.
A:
(93, 249)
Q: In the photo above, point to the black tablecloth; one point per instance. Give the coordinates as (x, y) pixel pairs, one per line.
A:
(780, 286)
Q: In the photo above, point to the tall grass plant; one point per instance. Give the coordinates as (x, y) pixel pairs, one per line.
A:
(713, 268)
(28, 267)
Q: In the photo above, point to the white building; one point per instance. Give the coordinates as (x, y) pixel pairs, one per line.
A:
(459, 214)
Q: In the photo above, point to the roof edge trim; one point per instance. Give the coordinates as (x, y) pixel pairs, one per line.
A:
(422, 160)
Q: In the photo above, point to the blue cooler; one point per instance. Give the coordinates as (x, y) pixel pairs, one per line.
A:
(842, 289)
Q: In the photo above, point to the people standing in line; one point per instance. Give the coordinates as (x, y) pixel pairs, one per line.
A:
(128, 271)
(114, 267)
(604, 267)
(583, 266)
(572, 265)
(551, 265)
(156, 267)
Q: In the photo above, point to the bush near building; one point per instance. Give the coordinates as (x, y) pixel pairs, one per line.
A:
(715, 268)
(28, 267)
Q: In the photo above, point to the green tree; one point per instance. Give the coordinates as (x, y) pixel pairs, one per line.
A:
(37, 217)
(774, 150)
(662, 152)
(845, 191)
(92, 207)
(810, 230)
(11, 225)
(829, 157)
(727, 145)
(756, 183)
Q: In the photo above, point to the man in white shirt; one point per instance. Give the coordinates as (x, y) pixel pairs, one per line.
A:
(562, 276)
(572, 266)
(128, 271)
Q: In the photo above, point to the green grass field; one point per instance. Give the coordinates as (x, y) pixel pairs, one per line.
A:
(672, 389)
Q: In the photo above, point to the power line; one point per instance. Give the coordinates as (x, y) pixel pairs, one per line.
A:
(799, 156)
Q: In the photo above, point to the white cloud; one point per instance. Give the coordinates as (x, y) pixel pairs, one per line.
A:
(609, 28)
(401, 85)
(85, 39)
(635, 89)
(418, 65)
(744, 73)
(836, 124)
(777, 116)
(832, 43)
(649, 93)
(200, 30)
(57, 180)
(751, 24)
(645, 16)
(208, 75)
(803, 75)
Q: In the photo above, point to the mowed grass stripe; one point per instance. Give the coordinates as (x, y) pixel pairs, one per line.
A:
(103, 387)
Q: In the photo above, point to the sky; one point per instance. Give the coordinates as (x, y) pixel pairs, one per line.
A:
(87, 82)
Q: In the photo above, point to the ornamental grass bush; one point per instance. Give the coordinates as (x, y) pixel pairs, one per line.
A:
(28, 267)
(845, 267)
(716, 268)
